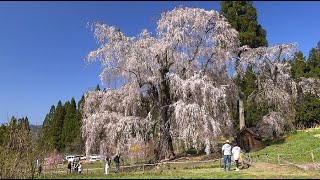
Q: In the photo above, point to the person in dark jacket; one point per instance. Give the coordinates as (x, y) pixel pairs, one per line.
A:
(69, 167)
(117, 161)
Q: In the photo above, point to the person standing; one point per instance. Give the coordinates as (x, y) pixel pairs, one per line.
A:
(117, 161)
(39, 170)
(226, 148)
(107, 166)
(76, 166)
(69, 167)
(236, 155)
(79, 167)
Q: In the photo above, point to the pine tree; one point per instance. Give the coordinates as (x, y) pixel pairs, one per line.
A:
(97, 88)
(71, 127)
(57, 125)
(45, 135)
(298, 65)
(313, 64)
(23, 123)
(67, 125)
(308, 111)
(243, 17)
(80, 103)
(3, 130)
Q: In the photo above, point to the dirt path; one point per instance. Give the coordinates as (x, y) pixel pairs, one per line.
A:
(268, 169)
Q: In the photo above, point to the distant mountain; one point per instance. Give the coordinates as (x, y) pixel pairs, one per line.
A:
(35, 129)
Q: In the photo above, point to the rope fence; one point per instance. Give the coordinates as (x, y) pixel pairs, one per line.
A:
(308, 160)
(304, 160)
(138, 167)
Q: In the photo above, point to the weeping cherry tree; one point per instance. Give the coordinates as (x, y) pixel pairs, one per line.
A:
(276, 88)
(168, 92)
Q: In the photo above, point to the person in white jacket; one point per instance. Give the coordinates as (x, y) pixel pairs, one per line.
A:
(236, 150)
(107, 167)
(80, 168)
(226, 148)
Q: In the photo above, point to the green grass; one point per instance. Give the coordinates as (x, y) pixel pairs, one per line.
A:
(201, 173)
(300, 142)
(295, 147)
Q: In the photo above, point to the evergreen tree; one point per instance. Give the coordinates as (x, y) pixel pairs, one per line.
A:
(61, 128)
(313, 64)
(247, 86)
(80, 103)
(308, 111)
(71, 127)
(3, 130)
(67, 125)
(97, 88)
(57, 125)
(249, 82)
(23, 123)
(298, 65)
(46, 134)
(243, 17)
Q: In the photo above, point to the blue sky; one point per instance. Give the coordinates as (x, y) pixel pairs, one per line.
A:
(43, 44)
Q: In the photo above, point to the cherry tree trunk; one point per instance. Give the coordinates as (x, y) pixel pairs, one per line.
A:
(165, 143)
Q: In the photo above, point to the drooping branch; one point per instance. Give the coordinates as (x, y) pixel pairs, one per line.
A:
(155, 68)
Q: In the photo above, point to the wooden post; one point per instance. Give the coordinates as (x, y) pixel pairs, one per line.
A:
(122, 169)
(267, 158)
(312, 156)
(143, 168)
(220, 162)
(278, 159)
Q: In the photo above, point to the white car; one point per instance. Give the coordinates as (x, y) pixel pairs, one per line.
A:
(94, 158)
(70, 158)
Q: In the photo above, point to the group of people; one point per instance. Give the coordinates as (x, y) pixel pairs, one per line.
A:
(228, 150)
(116, 159)
(75, 166)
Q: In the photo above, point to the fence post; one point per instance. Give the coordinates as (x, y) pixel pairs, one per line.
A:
(267, 158)
(143, 168)
(278, 159)
(122, 169)
(312, 156)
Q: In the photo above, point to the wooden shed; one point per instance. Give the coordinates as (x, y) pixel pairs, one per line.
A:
(248, 140)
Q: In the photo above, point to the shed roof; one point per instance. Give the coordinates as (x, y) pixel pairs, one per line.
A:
(251, 131)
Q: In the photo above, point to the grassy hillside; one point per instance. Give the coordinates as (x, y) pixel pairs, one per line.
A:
(294, 147)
